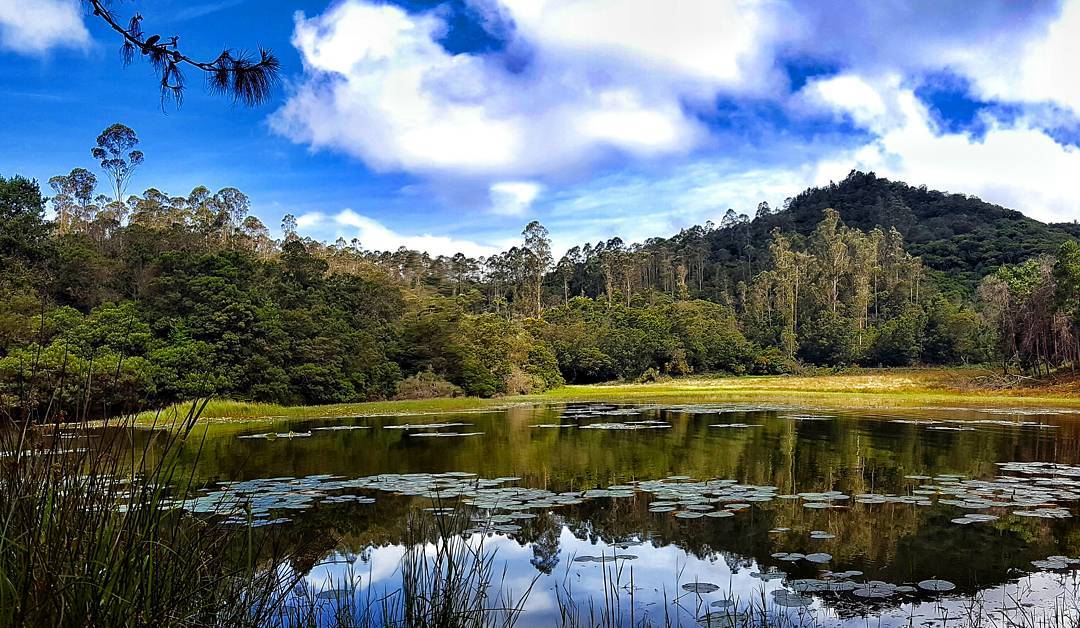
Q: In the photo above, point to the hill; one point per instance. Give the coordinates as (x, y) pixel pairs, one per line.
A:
(961, 236)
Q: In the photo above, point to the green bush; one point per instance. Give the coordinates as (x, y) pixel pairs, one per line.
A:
(425, 385)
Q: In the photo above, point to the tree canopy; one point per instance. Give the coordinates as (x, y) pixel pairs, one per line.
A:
(121, 303)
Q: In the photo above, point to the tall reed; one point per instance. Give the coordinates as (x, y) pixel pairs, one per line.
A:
(89, 535)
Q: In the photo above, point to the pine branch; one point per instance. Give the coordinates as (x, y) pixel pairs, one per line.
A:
(246, 78)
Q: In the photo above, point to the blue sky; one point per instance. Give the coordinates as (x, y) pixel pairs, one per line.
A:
(449, 125)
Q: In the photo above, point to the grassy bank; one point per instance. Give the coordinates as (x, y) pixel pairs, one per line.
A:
(864, 388)
(876, 388)
(226, 411)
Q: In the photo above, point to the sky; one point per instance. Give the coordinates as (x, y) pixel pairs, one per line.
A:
(448, 126)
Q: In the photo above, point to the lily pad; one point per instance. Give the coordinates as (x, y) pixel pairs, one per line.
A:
(700, 587)
(937, 586)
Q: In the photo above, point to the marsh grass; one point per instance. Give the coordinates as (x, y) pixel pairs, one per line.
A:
(229, 411)
(445, 579)
(454, 582)
(88, 536)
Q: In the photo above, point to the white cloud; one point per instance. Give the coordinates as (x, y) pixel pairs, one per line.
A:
(378, 86)
(1039, 68)
(310, 220)
(375, 236)
(847, 94)
(623, 82)
(513, 198)
(711, 42)
(35, 26)
(1017, 165)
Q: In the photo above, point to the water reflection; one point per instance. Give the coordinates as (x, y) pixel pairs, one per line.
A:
(856, 457)
(662, 584)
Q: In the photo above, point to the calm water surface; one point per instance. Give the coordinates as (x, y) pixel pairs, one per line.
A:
(812, 482)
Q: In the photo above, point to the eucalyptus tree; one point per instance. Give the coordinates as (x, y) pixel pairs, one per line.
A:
(231, 207)
(152, 209)
(116, 150)
(788, 270)
(258, 236)
(565, 270)
(538, 260)
(74, 195)
(288, 227)
(832, 257)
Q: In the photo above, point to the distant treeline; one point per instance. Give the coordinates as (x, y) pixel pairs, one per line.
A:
(113, 306)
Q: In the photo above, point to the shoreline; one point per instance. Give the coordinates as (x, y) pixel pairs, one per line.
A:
(872, 388)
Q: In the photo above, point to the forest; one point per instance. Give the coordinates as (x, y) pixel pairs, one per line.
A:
(111, 302)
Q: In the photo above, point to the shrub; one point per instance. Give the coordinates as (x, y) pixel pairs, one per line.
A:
(650, 375)
(542, 365)
(425, 385)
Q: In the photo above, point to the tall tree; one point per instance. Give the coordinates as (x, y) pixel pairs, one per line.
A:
(832, 256)
(116, 151)
(288, 227)
(538, 246)
(74, 193)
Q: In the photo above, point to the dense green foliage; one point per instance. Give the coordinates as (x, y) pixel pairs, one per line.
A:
(960, 238)
(114, 304)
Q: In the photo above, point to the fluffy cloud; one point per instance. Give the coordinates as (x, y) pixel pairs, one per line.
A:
(375, 236)
(599, 81)
(1033, 69)
(847, 95)
(513, 198)
(35, 26)
(1015, 164)
(702, 44)
(581, 80)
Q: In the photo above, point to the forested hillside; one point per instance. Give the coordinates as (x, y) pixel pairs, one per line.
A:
(953, 233)
(116, 302)
(963, 237)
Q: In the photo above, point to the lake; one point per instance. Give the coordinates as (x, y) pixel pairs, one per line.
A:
(623, 515)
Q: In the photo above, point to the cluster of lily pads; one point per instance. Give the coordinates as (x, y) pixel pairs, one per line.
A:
(276, 435)
(423, 426)
(816, 557)
(410, 428)
(1000, 411)
(1036, 490)
(689, 499)
(446, 434)
(627, 425)
(842, 582)
(588, 412)
(1028, 495)
(255, 501)
(805, 417)
(799, 592)
(1057, 563)
(965, 424)
(728, 408)
(577, 413)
